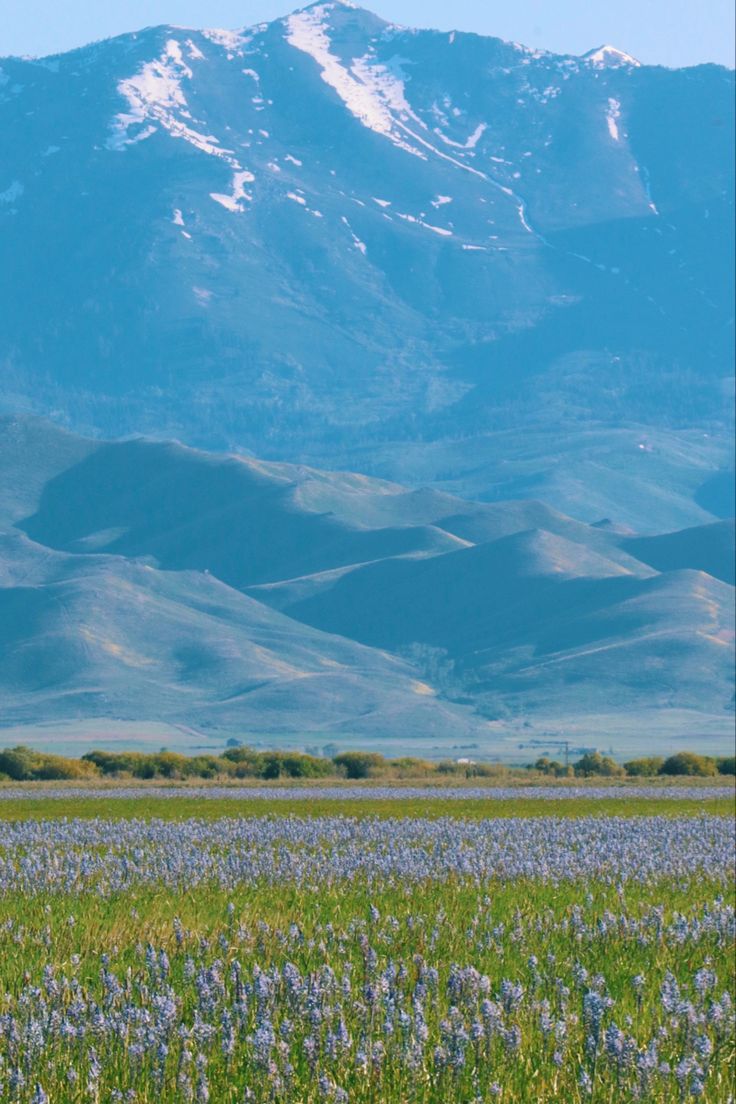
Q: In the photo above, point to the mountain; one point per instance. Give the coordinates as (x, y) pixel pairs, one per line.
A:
(147, 584)
(438, 259)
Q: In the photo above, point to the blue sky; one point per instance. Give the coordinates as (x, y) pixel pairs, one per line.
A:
(661, 32)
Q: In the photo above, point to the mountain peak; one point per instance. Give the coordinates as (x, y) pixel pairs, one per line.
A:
(322, 8)
(609, 57)
(333, 11)
(329, 5)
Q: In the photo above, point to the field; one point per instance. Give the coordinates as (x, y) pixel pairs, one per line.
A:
(401, 946)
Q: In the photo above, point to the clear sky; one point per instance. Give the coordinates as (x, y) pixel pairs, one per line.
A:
(658, 32)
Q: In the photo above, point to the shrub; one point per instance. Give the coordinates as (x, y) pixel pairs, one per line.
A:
(448, 766)
(358, 764)
(169, 764)
(294, 764)
(550, 766)
(21, 764)
(246, 762)
(18, 763)
(54, 768)
(122, 762)
(410, 767)
(206, 766)
(100, 759)
(644, 768)
(594, 764)
(685, 762)
(484, 770)
(726, 765)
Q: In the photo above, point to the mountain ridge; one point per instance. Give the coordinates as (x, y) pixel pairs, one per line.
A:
(603, 54)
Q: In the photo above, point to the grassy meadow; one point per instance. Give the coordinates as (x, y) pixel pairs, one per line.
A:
(391, 950)
(183, 807)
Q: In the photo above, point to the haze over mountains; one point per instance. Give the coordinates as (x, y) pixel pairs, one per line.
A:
(434, 258)
(145, 582)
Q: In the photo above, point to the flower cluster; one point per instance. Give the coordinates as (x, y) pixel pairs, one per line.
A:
(369, 1010)
(104, 856)
(370, 792)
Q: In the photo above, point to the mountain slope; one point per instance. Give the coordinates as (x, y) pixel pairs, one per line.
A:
(252, 523)
(334, 238)
(710, 548)
(99, 636)
(534, 619)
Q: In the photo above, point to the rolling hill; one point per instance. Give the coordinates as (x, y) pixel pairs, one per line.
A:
(710, 548)
(146, 582)
(103, 637)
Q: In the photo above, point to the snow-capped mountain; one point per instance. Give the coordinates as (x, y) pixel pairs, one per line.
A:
(610, 57)
(334, 238)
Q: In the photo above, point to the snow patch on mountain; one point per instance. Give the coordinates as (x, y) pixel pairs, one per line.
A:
(613, 114)
(15, 191)
(156, 100)
(473, 140)
(372, 93)
(427, 225)
(470, 143)
(234, 42)
(608, 57)
(359, 245)
(155, 96)
(233, 202)
(195, 54)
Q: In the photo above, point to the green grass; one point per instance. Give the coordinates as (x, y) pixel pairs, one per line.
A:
(182, 808)
(103, 923)
(495, 928)
(344, 952)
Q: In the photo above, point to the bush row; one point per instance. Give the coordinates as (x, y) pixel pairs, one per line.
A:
(22, 764)
(595, 765)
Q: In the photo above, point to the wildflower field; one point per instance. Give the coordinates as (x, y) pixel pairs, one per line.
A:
(386, 947)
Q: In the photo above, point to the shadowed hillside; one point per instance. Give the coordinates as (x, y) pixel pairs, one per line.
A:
(709, 548)
(153, 582)
(96, 635)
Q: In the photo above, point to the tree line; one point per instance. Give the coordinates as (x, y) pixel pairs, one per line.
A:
(22, 764)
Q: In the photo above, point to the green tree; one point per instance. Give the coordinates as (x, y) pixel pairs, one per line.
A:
(594, 764)
(359, 764)
(685, 762)
(644, 768)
